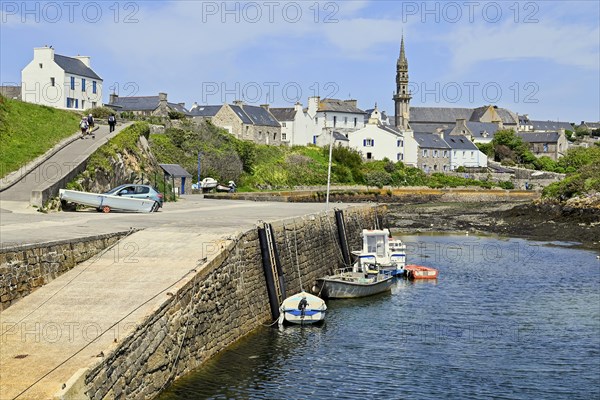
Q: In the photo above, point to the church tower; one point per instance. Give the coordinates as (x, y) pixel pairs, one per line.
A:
(402, 96)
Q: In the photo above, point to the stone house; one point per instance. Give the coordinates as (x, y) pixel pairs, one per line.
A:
(59, 81)
(146, 105)
(551, 144)
(200, 113)
(550, 126)
(589, 126)
(433, 153)
(252, 123)
(179, 177)
(428, 119)
(478, 132)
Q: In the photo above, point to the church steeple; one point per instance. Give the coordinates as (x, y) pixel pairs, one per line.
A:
(402, 96)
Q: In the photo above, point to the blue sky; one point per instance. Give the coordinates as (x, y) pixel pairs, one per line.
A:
(538, 58)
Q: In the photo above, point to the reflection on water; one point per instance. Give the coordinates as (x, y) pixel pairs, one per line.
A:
(506, 319)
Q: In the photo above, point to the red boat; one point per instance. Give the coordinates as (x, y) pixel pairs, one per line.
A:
(420, 272)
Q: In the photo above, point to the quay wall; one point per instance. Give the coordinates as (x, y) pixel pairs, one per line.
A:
(224, 301)
(26, 267)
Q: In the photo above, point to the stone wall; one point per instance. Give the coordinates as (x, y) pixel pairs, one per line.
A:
(223, 302)
(25, 268)
(11, 92)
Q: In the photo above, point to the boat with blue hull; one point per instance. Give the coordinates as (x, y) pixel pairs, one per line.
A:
(302, 309)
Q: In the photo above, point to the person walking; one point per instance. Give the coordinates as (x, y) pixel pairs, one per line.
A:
(112, 122)
(83, 125)
(90, 121)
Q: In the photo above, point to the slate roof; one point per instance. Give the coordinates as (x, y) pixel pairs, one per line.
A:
(137, 103)
(459, 142)
(340, 137)
(438, 114)
(390, 129)
(75, 66)
(430, 141)
(539, 137)
(177, 107)
(477, 128)
(205, 111)
(507, 116)
(175, 170)
(592, 125)
(551, 126)
(336, 105)
(283, 114)
(429, 127)
(260, 116)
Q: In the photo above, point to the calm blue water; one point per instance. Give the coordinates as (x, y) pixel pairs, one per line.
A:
(507, 319)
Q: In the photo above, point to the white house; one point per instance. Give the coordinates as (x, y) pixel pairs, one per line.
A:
(342, 116)
(61, 82)
(297, 128)
(377, 141)
(464, 153)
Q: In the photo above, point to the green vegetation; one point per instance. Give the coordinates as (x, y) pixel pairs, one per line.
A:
(260, 167)
(583, 174)
(99, 112)
(28, 131)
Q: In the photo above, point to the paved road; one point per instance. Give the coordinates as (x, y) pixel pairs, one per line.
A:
(58, 165)
(53, 333)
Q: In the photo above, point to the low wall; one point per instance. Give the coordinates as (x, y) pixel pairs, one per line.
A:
(24, 268)
(387, 195)
(223, 302)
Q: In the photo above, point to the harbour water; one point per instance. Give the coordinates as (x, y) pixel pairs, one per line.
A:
(506, 319)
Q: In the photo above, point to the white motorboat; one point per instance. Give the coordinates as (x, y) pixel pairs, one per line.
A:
(380, 253)
(350, 285)
(105, 202)
(302, 308)
(208, 183)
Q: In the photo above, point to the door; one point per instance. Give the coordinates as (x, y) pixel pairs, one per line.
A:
(183, 185)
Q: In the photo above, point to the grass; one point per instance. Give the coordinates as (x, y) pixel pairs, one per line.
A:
(29, 130)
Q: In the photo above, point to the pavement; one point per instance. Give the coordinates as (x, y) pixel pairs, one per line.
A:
(72, 322)
(56, 163)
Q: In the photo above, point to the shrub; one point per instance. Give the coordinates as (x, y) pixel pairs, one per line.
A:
(378, 178)
(100, 112)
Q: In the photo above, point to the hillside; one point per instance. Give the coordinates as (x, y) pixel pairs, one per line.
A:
(29, 130)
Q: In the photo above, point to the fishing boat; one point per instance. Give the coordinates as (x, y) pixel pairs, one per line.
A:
(380, 253)
(420, 272)
(105, 202)
(349, 285)
(302, 309)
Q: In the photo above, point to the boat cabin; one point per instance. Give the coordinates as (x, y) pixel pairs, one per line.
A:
(380, 250)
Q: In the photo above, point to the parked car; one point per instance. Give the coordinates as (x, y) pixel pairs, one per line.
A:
(139, 192)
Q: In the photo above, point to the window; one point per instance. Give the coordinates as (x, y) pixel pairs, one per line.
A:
(83, 104)
(94, 104)
(72, 83)
(315, 139)
(334, 121)
(76, 103)
(142, 190)
(316, 120)
(368, 143)
(94, 87)
(283, 124)
(346, 121)
(52, 81)
(283, 136)
(69, 103)
(435, 153)
(455, 153)
(445, 153)
(399, 157)
(445, 168)
(425, 153)
(435, 168)
(275, 136)
(472, 154)
(355, 122)
(464, 153)
(83, 84)
(400, 143)
(545, 145)
(41, 65)
(369, 156)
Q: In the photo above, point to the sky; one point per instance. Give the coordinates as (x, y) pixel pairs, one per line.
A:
(540, 58)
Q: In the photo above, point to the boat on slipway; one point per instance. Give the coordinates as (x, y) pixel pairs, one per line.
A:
(302, 309)
(106, 203)
(350, 285)
(380, 253)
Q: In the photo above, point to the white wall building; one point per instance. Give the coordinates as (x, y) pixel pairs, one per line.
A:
(61, 82)
(377, 141)
(464, 153)
(297, 128)
(342, 116)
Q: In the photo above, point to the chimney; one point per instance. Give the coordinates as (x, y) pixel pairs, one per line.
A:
(238, 102)
(182, 104)
(353, 103)
(313, 105)
(297, 106)
(112, 98)
(499, 124)
(461, 127)
(162, 100)
(582, 122)
(84, 59)
(265, 106)
(43, 53)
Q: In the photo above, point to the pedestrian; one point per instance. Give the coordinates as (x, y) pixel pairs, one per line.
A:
(90, 121)
(112, 121)
(83, 125)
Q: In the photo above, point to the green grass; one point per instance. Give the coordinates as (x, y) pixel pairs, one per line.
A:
(29, 130)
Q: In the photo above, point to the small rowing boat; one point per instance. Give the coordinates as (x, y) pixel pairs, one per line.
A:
(420, 272)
